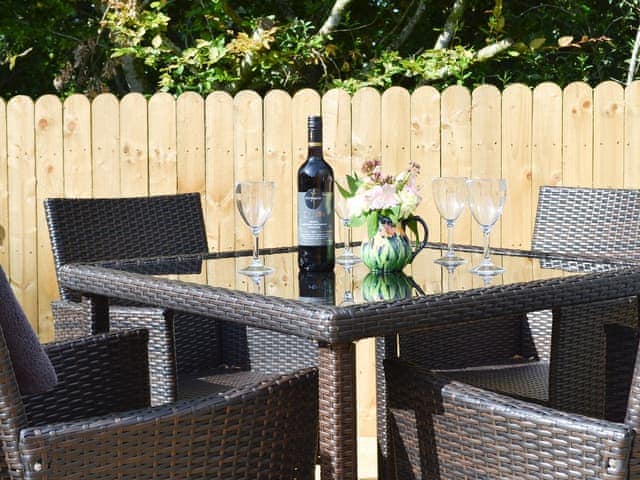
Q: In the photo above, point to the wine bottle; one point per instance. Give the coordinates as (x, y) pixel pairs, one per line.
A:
(317, 287)
(316, 251)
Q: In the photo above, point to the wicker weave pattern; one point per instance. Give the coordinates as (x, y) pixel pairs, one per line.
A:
(337, 326)
(451, 430)
(344, 324)
(97, 423)
(527, 440)
(578, 375)
(596, 221)
(124, 228)
(337, 376)
(94, 230)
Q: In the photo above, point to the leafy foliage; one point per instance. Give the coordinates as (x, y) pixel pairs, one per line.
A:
(62, 47)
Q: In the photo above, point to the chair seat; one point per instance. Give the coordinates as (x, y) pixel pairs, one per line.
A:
(220, 380)
(528, 381)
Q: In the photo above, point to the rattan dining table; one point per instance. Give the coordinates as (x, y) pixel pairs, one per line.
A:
(353, 304)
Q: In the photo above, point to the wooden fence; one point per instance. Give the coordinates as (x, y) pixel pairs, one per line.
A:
(578, 135)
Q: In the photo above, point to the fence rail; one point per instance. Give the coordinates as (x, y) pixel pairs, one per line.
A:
(578, 135)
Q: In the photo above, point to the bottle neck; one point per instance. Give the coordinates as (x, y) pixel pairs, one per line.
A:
(315, 150)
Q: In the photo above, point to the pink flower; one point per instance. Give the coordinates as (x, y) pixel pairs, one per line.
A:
(382, 196)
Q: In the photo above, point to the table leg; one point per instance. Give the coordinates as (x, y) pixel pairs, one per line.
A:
(337, 411)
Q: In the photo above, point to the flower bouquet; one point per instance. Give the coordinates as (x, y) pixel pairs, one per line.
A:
(386, 205)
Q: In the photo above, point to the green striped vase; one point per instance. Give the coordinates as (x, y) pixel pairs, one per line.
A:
(389, 250)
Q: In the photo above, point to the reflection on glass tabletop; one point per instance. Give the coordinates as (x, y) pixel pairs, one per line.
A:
(356, 284)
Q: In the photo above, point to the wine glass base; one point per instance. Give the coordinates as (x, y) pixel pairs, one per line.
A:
(487, 269)
(450, 260)
(348, 260)
(256, 270)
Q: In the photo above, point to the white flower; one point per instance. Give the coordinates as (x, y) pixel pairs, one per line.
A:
(409, 200)
(357, 205)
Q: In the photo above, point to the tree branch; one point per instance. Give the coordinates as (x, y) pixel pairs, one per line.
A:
(634, 58)
(409, 26)
(482, 55)
(334, 17)
(494, 49)
(451, 25)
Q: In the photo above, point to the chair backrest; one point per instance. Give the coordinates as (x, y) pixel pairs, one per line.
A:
(96, 229)
(593, 221)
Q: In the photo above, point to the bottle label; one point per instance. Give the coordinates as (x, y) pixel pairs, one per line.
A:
(315, 218)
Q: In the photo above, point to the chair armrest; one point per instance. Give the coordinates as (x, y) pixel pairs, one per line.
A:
(96, 375)
(72, 320)
(269, 427)
(455, 427)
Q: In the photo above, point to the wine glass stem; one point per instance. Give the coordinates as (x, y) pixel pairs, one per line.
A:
(256, 257)
(485, 244)
(449, 239)
(347, 237)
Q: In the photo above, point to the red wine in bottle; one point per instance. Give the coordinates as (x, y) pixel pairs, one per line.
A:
(316, 251)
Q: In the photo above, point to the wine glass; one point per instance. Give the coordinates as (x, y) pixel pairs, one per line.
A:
(486, 201)
(341, 206)
(255, 202)
(450, 197)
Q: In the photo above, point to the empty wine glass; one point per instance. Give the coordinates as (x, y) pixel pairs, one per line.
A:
(450, 197)
(486, 201)
(341, 206)
(255, 201)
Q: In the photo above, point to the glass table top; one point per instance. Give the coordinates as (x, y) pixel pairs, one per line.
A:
(356, 284)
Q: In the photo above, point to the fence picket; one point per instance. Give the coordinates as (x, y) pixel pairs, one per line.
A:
(163, 144)
(50, 183)
(546, 147)
(219, 206)
(134, 153)
(76, 113)
(425, 151)
(278, 231)
(631, 137)
(105, 143)
(23, 269)
(4, 190)
(608, 135)
(365, 134)
(514, 228)
(577, 135)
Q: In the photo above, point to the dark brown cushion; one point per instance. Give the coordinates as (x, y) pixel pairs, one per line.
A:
(33, 369)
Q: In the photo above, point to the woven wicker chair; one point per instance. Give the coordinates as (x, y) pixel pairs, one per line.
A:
(90, 230)
(517, 356)
(446, 429)
(97, 422)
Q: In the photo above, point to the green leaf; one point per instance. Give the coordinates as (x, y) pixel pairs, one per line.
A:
(412, 224)
(353, 183)
(395, 214)
(372, 224)
(537, 43)
(345, 193)
(357, 221)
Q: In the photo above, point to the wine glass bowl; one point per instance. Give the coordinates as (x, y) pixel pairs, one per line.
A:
(486, 202)
(450, 197)
(254, 200)
(341, 206)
